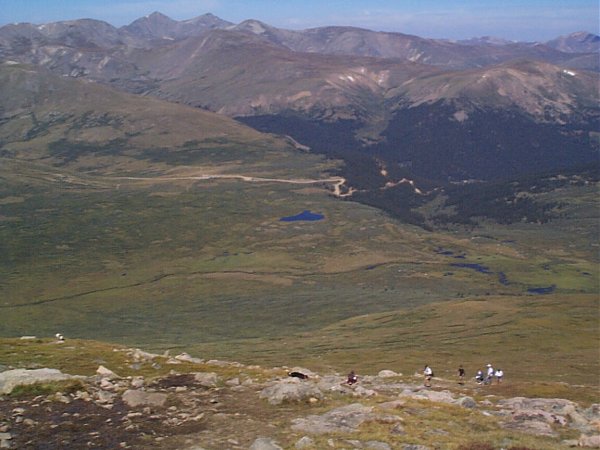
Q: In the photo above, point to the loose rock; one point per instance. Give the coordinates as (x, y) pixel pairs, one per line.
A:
(346, 419)
(105, 373)
(388, 374)
(10, 379)
(265, 444)
(304, 442)
(134, 398)
(206, 379)
(290, 391)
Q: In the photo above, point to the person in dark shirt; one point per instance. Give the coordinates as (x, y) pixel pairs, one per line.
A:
(461, 375)
(352, 378)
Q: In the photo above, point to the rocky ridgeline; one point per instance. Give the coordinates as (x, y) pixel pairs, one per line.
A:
(254, 408)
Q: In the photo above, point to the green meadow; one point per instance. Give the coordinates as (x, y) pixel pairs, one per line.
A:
(207, 267)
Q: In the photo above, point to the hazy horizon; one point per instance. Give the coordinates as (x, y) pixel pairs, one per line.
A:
(537, 20)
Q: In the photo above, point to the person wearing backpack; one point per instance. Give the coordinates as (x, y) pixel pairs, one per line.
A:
(479, 376)
(428, 374)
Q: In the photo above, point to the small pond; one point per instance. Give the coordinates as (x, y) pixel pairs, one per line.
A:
(474, 266)
(542, 290)
(303, 216)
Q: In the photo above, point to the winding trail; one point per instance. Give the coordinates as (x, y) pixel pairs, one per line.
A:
(337, 182)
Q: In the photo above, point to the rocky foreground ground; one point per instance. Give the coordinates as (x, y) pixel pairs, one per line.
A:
(198, 404)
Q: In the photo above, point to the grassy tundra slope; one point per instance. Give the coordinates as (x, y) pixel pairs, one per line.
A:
(111, 229)
(83, 126)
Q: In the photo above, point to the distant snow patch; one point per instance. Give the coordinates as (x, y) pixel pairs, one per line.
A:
(568, 72)
(257, 28)
(347, 78)
(461, 116)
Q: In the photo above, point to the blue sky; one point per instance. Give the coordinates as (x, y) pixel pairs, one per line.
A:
(527, 20)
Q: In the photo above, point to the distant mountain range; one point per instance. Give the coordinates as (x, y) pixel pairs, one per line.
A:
(391, 105)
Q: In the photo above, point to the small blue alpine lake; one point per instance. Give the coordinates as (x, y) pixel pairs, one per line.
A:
(306, 216)
(474, 266)
(542, 290)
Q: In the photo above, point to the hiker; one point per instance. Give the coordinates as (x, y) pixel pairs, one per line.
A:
(352, 378)
(479, 377)
(428, 374)
(490, 374)
(499, 374)
(461, 375)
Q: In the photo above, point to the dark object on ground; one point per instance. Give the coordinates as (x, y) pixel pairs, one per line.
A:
(300, 375)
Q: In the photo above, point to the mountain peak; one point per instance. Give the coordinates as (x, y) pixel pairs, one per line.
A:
(253, 26)
(157, 15)
(207, 20)
(578, 42)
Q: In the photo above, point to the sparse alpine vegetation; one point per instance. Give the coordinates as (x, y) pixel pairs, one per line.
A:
(128, 398)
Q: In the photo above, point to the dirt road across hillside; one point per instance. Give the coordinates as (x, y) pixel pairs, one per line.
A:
(337, 182)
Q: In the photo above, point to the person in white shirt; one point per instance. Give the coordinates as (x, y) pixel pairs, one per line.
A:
(479, 377)
(428, 373)
(490, 374)
(499, 374)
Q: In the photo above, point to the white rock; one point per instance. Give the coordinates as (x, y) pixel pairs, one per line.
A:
(345, 419)
(233, 382)
(137, 382)
(360, 391)
(304, 442)
(589, 441)
(103, 372)
(21, 377)
(265, 444)
(140, 355)
(187, 358)
(434, 396)
(135, 398)
(388, 374)
(292, 390)
(206, 379)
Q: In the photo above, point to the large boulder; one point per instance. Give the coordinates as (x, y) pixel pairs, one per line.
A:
(592, 441)
(551, 405)
(292, 390)
(360, 391)
(10, 379)
(346, 419)
(206, 379)
(466, 402)
(427, 394)
(142, 356)
(186, 357)
(388, 374)
(304, 443)
(539, 415)
(265, 444)
(105, 373)
(530, 426)
(332, 383)
(134, 398)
